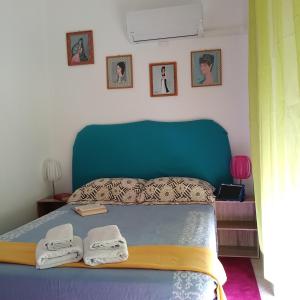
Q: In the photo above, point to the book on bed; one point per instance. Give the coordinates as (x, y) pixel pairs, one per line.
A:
(90, 209)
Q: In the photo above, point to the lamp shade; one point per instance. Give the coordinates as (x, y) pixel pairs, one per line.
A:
(52, 170)
(240, 167)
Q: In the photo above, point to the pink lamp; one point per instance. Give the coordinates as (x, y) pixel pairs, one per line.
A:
(240, 167)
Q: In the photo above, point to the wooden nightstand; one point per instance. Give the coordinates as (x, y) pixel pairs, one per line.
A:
(48, 204)
(237, 229)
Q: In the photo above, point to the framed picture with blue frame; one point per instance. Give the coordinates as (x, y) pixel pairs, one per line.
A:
(80, 48)
(206, 68)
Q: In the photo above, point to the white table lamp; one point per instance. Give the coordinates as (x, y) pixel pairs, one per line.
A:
(52, 172)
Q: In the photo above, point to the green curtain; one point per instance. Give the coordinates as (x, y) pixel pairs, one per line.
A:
(274, 85)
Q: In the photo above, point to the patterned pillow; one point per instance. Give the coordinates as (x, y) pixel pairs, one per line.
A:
(109, 191)
(177, 190)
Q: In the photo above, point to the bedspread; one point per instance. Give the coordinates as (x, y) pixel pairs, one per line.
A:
(192, 225)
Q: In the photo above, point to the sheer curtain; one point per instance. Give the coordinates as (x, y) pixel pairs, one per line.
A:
(274, 90)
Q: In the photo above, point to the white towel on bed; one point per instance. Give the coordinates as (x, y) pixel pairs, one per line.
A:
(59, 237)
(106, 238)
(48, 259)
(96, 257)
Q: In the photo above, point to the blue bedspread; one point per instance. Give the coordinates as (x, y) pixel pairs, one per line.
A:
(140, 225)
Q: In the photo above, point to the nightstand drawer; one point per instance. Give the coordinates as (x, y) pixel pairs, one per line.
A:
(45, 206)
(237, 229)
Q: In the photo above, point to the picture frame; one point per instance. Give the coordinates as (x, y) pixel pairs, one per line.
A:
(206, 68)
(119, 73)
(163, 79)
(80, 48)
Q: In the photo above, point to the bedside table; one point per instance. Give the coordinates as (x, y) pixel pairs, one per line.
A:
(46, 205)
(237, 229)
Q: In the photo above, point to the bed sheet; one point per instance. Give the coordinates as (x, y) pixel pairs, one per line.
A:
(140, 225)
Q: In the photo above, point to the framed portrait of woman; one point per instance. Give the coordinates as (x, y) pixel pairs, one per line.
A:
(80, 48)
(119, 71)
(163, 79)
(206, 68)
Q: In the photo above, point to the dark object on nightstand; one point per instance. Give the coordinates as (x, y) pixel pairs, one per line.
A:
(233, 192)
(48, 204)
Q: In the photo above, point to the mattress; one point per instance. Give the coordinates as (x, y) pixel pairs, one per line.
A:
(140, 225)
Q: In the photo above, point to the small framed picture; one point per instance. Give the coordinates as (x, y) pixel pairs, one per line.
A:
(206, 68)
(119, 71)
(80, 48)
(163, 79)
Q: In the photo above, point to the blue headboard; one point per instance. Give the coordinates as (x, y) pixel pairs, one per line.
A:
(150, 149)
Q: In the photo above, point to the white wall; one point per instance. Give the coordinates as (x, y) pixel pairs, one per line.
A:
(44, 103)
(80, 96)
(24, 111)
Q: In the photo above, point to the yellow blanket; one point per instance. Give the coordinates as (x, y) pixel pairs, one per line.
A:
(158, 257)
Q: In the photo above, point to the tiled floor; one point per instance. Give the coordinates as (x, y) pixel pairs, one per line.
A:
(264, 286)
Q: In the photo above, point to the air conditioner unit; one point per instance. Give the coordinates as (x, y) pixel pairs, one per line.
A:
(165, 23)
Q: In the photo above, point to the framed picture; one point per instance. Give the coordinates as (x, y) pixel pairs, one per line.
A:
(119, 71)
(80, 48)
(206, 68)
(163, 79)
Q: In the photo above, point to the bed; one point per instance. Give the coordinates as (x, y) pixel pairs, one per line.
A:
(148, 149)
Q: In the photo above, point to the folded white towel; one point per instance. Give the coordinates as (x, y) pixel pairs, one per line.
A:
(59, 237)
(96, 257)
(106, 238)
(48, 259)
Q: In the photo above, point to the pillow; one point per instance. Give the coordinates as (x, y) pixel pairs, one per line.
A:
(110, 191)
(177, 190)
